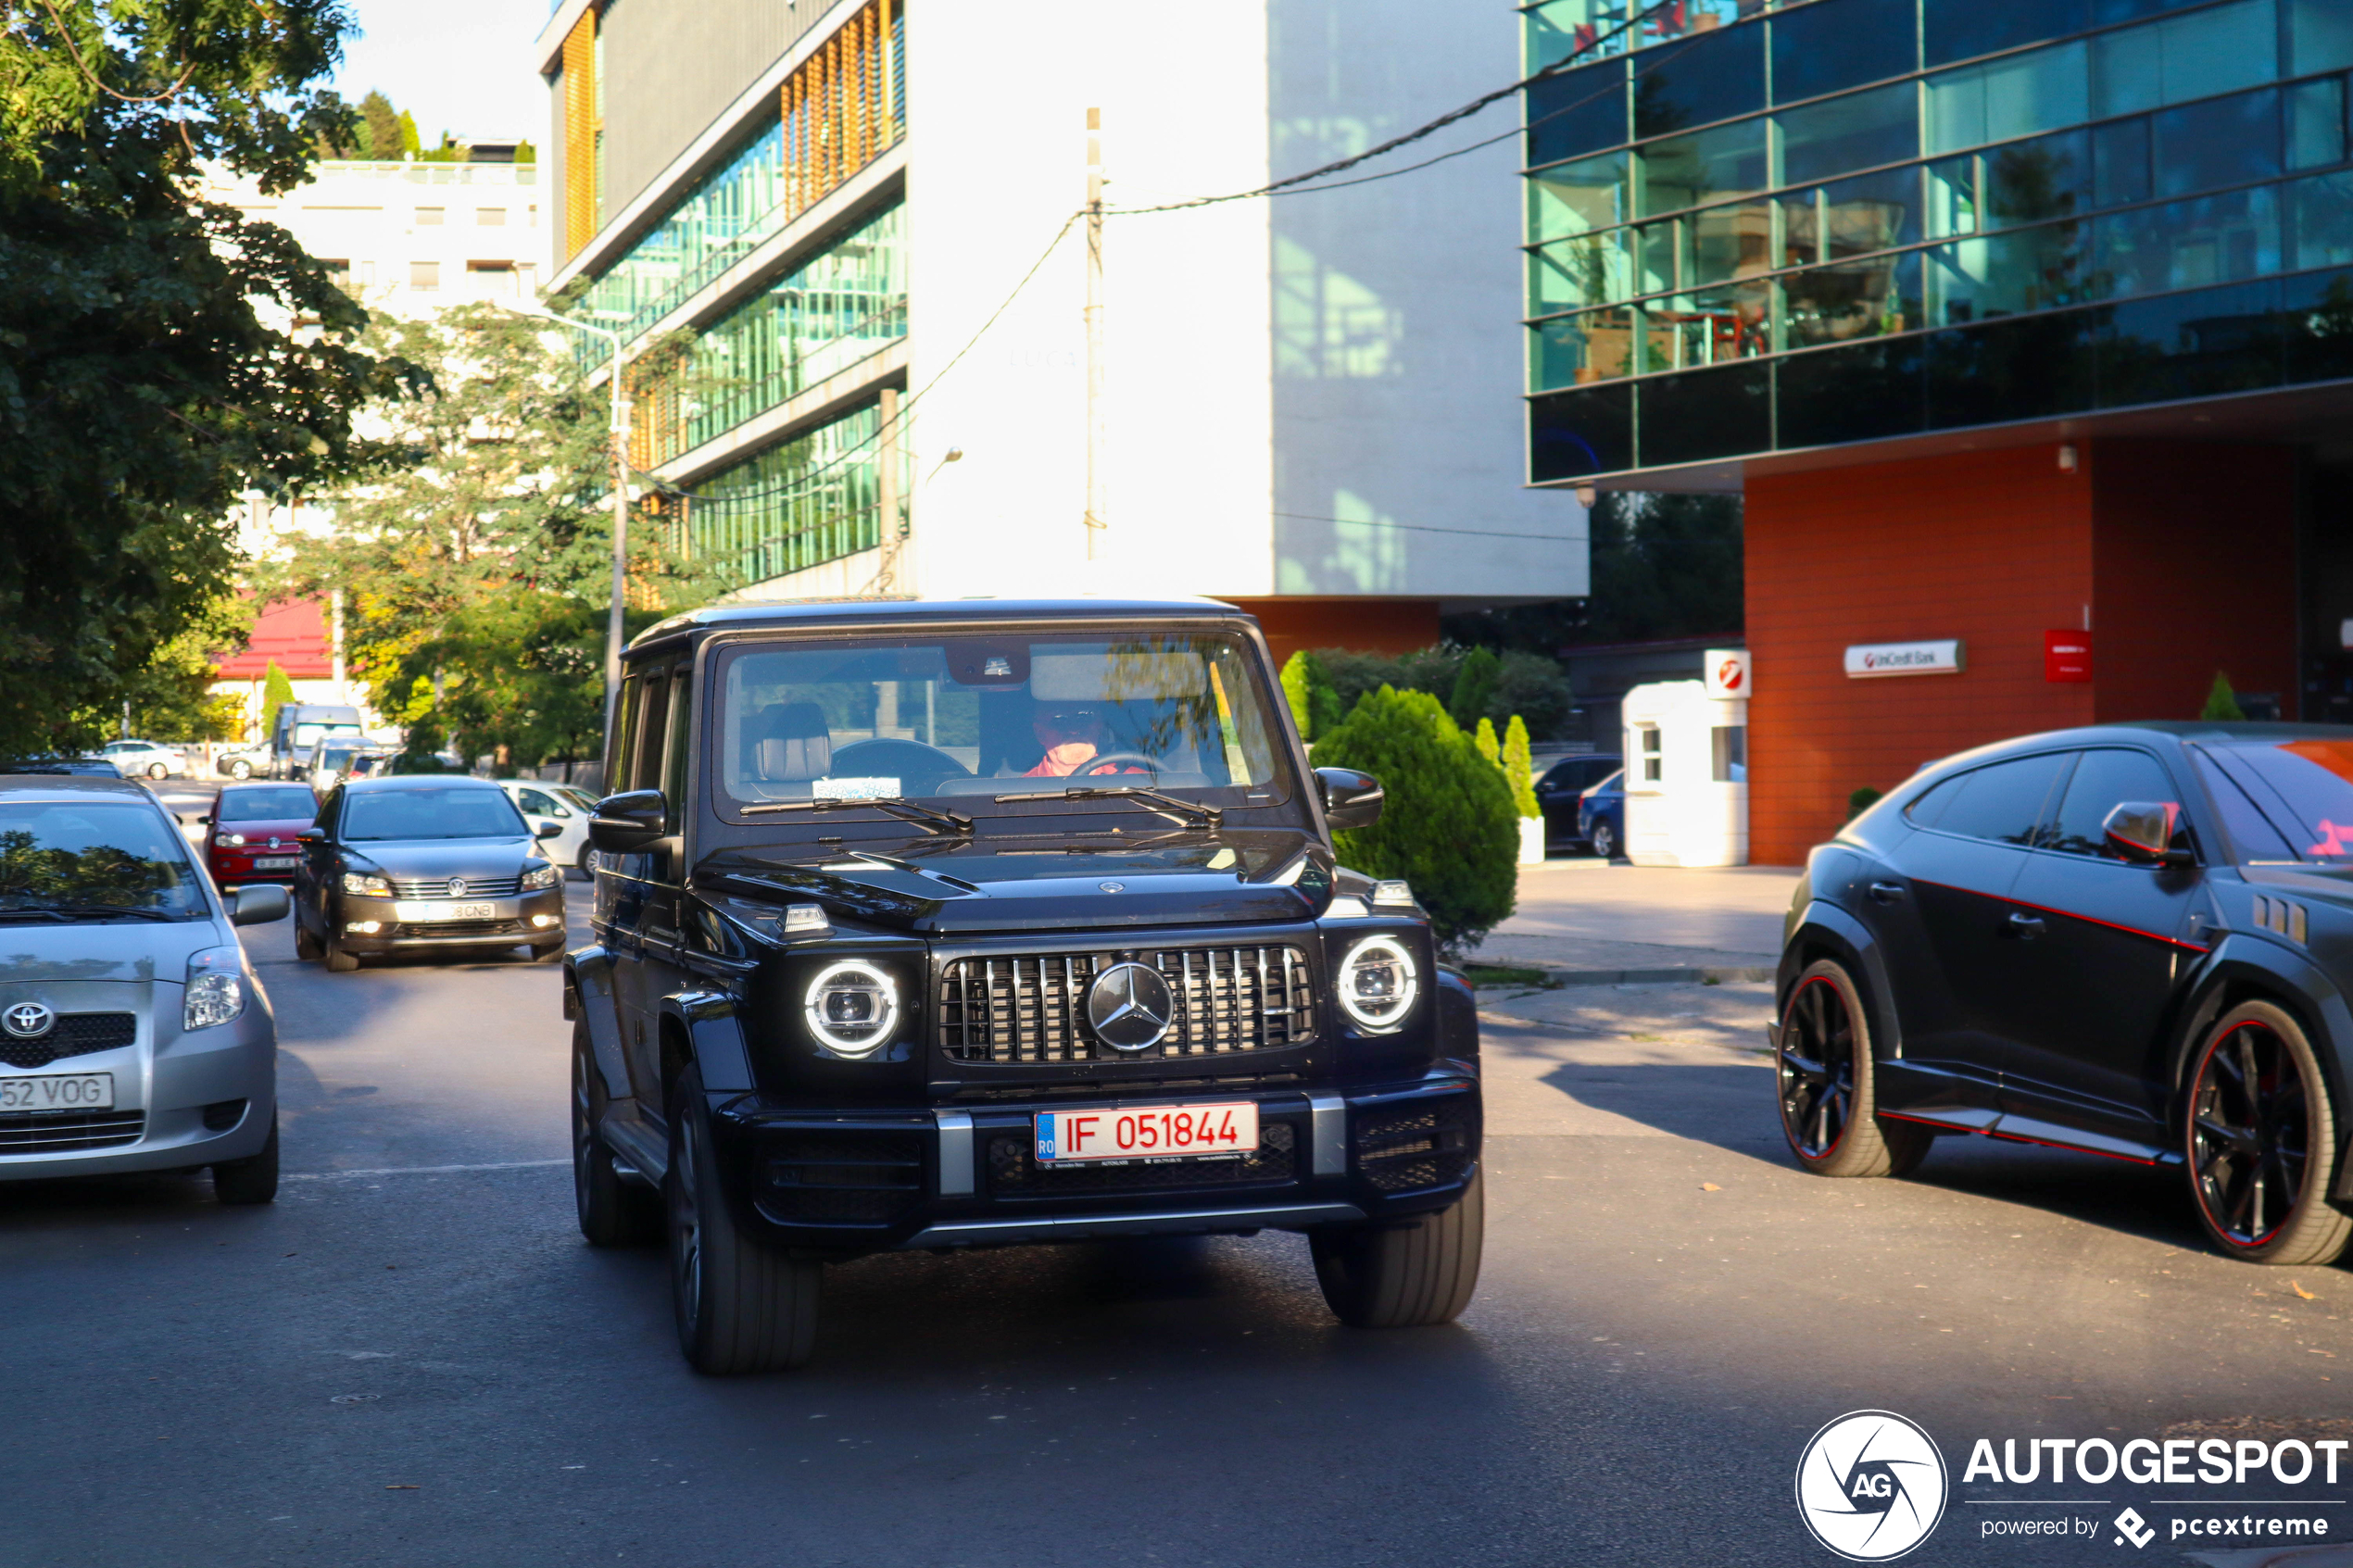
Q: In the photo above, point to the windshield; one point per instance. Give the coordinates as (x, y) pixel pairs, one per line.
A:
(335, 757)
(307, 734)
(2304, 787)
(267, 806)
(457, 813)
(990, 715)
(93, 858)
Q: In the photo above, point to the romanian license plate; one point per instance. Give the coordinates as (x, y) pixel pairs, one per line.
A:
(78, 1091)
(276, 863)
(423, 913)
(1157, 1132)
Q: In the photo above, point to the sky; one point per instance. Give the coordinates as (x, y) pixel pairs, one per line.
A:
(460, 66)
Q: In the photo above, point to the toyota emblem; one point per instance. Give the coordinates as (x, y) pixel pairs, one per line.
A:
(1130, 1006)
(1112, 887)
(456, 888)
(27, 1019)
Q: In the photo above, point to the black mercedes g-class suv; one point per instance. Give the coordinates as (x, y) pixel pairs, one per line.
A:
(961, 925)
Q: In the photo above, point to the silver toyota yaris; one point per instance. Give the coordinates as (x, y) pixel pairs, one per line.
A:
(134, 1033)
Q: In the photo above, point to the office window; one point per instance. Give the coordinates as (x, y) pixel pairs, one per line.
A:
(1840, 43)
(1589, 346)
(1646, 743)
(2002, 274)
(1952, 196)
(1727, 160)
(1721, 243)
(1712, 76)
(2188, 244)
(1588, 431)
(1855, 299)
(2319, 221)
(1707, 326)
(2320, 36)
(1727, 753)
(2202, 344)
(2315, 115)
(424, 276)
(1580, 270)
(2221, 142)
(1871, 212)
(1961, 29)
(1576, 112)
(2003, 100)
(1703, 415)
(2028, 181)
(1654, 249)
(490, 217)
(430, 216)
(1859, 131)
(2318, 310)
(2195, 56)
(1570, 198)
(1868, 392)
(491, 280)
(2120, 163)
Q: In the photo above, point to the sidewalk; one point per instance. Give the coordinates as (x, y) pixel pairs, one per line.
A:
(1595, 924)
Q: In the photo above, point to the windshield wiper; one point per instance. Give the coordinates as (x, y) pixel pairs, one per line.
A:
(929, 817)
(66, 911)
(1190, 813)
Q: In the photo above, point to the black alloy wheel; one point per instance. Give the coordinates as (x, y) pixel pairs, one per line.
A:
(2262, 1141)
(1822, 1063)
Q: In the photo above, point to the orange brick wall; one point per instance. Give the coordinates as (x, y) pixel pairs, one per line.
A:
(1992, 547)
(1368, 625)
(2193, 560)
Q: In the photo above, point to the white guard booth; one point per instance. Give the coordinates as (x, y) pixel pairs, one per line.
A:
(1687, 771)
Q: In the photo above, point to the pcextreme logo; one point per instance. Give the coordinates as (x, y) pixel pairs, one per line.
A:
(1871, 1486)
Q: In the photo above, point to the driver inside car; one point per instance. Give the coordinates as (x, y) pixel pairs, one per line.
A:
(1073, 736)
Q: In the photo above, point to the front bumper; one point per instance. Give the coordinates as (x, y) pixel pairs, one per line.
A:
(536, 918)
(963, 1174)
(181, 1100)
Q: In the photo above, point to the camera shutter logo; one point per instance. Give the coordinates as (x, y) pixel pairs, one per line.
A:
(1871, 1486)
(1130, 1006)
(28, 1021)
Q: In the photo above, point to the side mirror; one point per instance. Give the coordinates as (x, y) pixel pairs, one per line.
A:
(1351, 799)
(2143, 832)
(548, 830)
(259, 905)
(628, 821)
(311, 835)
(205, 821)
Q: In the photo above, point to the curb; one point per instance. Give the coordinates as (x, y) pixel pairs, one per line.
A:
(1654, 976)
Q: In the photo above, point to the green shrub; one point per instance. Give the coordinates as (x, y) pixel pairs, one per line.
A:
(276, 692)
(1488, 747)
(1519, 768)
(1474, 686)
(1526, 683)
(2222, 703)
(1314, 706)
(1861, 802)
(1448, 828)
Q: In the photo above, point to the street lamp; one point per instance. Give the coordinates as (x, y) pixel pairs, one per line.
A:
(619, 499)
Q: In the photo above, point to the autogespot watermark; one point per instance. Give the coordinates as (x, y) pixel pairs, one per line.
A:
(1872, 1485)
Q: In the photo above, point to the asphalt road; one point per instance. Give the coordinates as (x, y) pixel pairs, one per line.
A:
(411, 1359)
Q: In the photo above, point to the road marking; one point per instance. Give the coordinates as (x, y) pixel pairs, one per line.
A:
(422, 1170)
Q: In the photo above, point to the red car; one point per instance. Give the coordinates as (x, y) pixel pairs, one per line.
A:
(249, 837)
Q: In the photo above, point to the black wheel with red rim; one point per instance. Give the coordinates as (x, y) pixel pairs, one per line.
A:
(1822, 1063)
(2261, 1137)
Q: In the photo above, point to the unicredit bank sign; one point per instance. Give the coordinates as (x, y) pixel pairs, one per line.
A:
(1868, 660)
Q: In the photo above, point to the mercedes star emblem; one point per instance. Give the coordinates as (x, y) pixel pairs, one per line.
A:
(1130, 1006)
(28, 1019)
(456, 888)
(1112, 887)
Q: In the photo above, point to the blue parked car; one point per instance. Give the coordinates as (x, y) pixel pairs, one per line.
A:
(1560, 791)
(1601, 816)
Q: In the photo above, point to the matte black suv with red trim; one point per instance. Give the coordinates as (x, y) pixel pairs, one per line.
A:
(976, 923)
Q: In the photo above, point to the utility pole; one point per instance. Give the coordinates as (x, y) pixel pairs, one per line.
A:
(1095, 519)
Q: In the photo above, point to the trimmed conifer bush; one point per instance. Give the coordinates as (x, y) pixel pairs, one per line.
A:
(1449, 826)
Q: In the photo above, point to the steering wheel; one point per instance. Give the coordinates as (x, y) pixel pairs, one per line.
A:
(1110, 763)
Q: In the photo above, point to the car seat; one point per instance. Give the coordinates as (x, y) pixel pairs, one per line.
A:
(788, 740)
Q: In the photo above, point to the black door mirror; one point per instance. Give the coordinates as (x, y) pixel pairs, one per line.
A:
(629, 821)
(2143, 832)
(259, 905)
(1351, 799)
(311, 835)
(548, 830)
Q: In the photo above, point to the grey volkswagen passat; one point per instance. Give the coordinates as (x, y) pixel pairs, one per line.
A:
(429, 861)
(134, 1033)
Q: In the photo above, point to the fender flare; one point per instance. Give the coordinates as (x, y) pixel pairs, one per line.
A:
(588, 996)
(1457, 1018)
(1854, 945)
(714, 1035)
(2306, 990)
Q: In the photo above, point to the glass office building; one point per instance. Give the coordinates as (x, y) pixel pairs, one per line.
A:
(2020, 324)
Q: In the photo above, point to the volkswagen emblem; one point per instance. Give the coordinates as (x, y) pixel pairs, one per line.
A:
(456, 888)
(1112, 887)
(1130, 1006)
(27, 1019)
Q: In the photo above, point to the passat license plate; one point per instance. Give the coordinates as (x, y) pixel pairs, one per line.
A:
(276, 863)
(422, 913)
(1153, 1132)
(78, 1091)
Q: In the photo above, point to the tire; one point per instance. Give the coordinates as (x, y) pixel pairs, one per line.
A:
(1605, 841)
(305, 945)
(614, 1210)
(332, 954)
(1404, 1276)
(1822, 1069)
(158, 772)
(253, 1179)
(740, 1306)
(2260, 1127)
(241, 769)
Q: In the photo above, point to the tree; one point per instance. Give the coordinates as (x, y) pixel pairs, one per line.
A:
(1663, 566)
(276, 692)
(146, 381)
(410, 141)
(1519, 768)
(1314, 707)
(2222, 703)
(1475, 681)
(383, 127)
(1448, 826)
(1527, 683)
(172, 695)
(476, 569)
(1488, 746)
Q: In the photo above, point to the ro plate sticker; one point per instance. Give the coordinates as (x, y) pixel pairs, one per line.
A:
(854, 789)
(1045, 1135)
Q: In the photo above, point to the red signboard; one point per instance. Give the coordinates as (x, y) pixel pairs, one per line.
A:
(2067, 656)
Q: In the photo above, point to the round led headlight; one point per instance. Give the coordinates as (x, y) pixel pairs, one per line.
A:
(852, 1006)
(1379, 983)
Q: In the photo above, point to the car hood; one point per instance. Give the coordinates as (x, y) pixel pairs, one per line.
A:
(424, 858)
(130, 949)
(1031, 885)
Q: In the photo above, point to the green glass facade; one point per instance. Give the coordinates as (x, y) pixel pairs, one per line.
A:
(1843, 220)
(798, 504)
